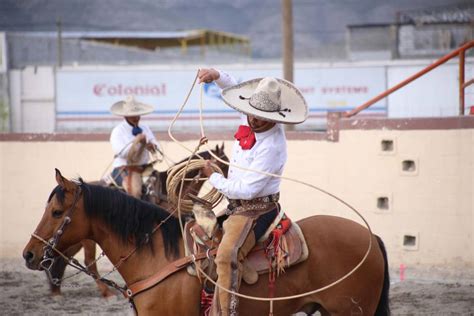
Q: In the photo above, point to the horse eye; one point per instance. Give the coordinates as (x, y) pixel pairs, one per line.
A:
(57, 213)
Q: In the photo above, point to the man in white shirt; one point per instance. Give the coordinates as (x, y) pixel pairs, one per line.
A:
(260, 145)
(131, 141)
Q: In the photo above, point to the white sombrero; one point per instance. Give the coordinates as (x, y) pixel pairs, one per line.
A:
(130, 107)
(269, 99)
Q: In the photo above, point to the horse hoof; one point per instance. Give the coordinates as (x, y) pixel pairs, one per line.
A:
(57, 296)
(55, 292)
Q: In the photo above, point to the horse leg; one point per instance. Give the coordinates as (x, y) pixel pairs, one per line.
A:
(360, 293)
(59, 267)
(57, 272)
(375, 272)
(89, 259)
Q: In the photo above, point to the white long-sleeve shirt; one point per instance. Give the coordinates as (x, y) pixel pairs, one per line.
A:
(121, 140)
(269, 154)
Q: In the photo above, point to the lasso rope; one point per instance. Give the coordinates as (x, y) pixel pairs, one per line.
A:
(256, 298)
(176, 175)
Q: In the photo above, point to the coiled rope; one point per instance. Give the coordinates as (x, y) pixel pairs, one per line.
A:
(177, 174)
(204, 142)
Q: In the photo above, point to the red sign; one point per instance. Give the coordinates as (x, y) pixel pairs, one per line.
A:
(105, 90)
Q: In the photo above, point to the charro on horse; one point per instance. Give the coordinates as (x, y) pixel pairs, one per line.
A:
(123, 227)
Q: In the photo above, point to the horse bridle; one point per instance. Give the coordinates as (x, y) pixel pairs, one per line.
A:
(48, 258)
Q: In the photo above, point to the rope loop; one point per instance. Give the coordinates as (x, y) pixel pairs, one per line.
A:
(180, 201)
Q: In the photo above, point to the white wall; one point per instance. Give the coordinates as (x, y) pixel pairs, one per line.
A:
(3, 53)
(435, 94)
(32, 95)
(16, 115)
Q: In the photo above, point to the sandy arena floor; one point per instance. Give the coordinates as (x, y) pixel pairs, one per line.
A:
(25, 292)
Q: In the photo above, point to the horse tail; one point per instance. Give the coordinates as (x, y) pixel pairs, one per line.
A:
(383, 308)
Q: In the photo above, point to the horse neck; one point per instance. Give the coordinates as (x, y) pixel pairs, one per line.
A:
(142, 262)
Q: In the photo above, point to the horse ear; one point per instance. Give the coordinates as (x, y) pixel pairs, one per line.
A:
(222, 147)
(63, 182)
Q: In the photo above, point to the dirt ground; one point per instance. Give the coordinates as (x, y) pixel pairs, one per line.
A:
(25, 292)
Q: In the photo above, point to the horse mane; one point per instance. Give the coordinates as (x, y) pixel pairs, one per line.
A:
(59, 193)
(204, 154)
(131, 218)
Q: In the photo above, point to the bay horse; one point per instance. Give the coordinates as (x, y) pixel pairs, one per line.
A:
(120, 223)
(155, 192)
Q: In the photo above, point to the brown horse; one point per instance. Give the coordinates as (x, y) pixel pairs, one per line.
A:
(154, 191)
(120, 223)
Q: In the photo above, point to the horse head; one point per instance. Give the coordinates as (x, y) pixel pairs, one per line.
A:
(63, 224)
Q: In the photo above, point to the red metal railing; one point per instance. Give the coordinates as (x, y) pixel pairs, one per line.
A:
(461, 52)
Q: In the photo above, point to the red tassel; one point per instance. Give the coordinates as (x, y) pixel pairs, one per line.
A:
(206, 302)
(272, 250)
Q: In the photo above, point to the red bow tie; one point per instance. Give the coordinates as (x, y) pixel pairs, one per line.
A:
(245, 136)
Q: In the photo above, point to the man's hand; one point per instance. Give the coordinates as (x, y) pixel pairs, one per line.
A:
(208, 75)
(141, 138)
(207, 170)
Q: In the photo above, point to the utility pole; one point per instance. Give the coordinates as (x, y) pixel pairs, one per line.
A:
(287, 22)
(287, 25)
(59, 44)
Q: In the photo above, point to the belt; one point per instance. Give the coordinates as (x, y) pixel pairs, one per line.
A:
(264, 199)
(257, 206)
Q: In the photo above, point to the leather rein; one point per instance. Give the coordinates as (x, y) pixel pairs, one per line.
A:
(169, 269)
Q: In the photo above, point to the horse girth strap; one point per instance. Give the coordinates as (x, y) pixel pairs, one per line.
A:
(173, 267)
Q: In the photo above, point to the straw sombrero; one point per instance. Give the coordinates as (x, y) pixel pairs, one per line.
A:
(269, 99)
(130, 107)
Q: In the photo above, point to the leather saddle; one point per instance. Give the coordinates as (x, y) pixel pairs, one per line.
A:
(293, 249)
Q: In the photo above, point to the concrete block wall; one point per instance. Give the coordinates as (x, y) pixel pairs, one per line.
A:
(424, 214)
